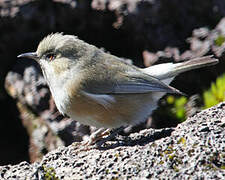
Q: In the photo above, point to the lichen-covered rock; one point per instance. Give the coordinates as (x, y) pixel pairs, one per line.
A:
(193, 150)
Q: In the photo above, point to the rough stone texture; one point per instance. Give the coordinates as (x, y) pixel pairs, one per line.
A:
(126, 28)
(194, 149)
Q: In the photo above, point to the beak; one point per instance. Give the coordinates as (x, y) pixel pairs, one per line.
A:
(30, 55)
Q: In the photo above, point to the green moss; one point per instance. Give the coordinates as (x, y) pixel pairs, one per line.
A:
(182, 141)
(171, 157)
(49, 173)
(175, 168)
(161, 162)
(169, 150)
(219, 40)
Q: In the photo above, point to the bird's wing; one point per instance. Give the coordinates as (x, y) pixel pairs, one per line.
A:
(128, 83)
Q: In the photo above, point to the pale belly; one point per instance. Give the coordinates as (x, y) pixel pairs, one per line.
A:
(124, 110)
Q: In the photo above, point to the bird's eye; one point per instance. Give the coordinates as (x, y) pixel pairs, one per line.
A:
(50, 56)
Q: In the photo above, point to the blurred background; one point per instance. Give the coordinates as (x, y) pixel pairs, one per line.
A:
(142, 32)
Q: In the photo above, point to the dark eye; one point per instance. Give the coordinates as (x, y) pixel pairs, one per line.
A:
(50, 56)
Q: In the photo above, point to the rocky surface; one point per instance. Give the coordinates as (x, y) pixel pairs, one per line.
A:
(194, 149)
(134, 29)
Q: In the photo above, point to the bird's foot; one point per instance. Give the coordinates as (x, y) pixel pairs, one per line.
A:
(96, 136)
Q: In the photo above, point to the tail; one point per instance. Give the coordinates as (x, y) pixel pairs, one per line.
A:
(169, 70)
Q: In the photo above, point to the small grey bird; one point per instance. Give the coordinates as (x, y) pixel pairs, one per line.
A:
(99, 89)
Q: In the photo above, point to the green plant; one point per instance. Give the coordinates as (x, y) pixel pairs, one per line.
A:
(219, 40)
(178, 107)
(216, 93)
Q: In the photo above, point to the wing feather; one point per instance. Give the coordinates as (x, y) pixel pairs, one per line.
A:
(133, 84)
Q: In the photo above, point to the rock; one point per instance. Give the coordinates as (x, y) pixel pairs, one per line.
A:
(201, 43)
(192, 150)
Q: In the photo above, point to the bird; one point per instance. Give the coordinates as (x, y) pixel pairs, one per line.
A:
(99, 89)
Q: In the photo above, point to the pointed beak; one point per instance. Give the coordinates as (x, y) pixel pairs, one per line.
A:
(30, 55)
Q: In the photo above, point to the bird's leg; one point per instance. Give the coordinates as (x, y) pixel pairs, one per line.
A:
(96, 139)
(97, 135)
(112, 134)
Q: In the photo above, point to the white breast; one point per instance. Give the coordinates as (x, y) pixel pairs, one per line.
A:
(57, 86)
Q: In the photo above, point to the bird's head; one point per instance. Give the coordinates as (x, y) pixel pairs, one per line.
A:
(59, 52)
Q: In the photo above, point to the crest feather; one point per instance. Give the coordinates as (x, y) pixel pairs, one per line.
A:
(54, 41)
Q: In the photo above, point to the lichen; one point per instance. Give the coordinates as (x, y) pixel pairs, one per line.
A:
(49, 173)
(182, 140)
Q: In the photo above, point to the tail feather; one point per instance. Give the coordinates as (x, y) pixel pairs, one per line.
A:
(196, 63)
(168, 70)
